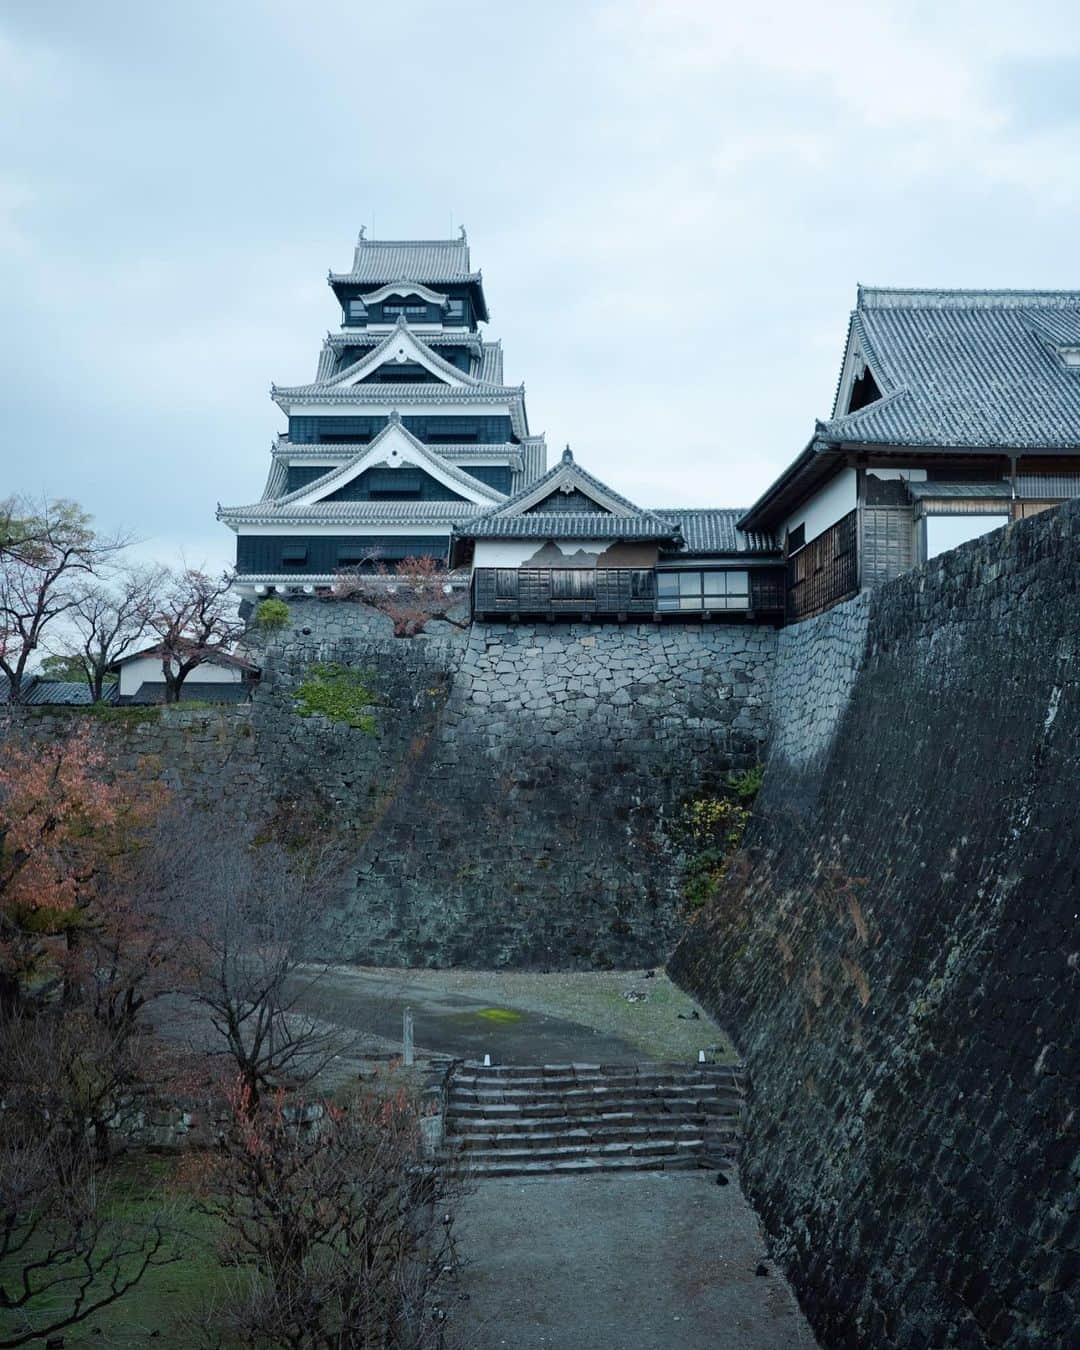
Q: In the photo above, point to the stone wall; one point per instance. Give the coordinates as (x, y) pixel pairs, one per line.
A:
(897, 957)
(535, 831)
(514, 804)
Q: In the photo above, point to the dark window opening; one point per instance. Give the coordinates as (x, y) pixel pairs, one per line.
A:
(796, 538)
(409, 311)
(294, 555)
(863, 392)
(355, 311)
(455, 312)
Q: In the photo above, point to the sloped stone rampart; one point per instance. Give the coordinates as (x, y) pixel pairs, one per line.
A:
(897, 957)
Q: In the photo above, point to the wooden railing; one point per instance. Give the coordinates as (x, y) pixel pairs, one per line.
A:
(825, 571)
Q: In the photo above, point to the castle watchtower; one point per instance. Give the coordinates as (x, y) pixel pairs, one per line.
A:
(407, 430)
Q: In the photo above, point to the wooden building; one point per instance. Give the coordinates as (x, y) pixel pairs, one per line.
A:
(569, 547)
(956, 412)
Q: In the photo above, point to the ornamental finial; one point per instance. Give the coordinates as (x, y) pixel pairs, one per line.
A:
(464, 236)
(568, 455)
(360, 236)
(395, 416)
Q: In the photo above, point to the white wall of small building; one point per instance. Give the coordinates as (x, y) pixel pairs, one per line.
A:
(147, 670)
(830, 504)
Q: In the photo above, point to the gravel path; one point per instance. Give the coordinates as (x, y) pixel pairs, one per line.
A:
(646, 1262)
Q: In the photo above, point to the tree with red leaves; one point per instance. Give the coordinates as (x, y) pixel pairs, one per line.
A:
(413, 594)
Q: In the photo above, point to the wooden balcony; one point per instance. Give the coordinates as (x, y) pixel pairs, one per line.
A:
(622, 594)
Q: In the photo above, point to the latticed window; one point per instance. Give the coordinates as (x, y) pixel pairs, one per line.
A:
(702, 590)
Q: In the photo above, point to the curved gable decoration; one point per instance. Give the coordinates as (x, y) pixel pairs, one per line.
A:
(403, 346)
(405, 288)
(394, 448)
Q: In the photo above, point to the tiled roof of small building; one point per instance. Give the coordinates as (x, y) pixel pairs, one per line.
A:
(966, 369)
(959, 490)
(570, 525)
(714, 531)
(40, 692)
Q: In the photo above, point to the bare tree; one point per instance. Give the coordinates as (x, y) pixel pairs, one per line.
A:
(64, 1251)
(106, 621)
(249, 917)
(414, 593)
(194, 619)
(340, 1230)
(46, 549)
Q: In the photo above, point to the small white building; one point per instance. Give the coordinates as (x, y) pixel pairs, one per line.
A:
(226, 678)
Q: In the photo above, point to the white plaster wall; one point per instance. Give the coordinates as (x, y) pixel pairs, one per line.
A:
(826, 507)
(517, 552)
(148, 668)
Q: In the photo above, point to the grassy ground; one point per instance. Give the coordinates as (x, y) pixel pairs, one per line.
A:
(153, 1312)
(596, 999)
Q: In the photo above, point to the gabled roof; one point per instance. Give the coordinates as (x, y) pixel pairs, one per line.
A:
(972, 370)
(432, 261)
(402, 344)
(394, 445)
(220, 658)
(614, 518)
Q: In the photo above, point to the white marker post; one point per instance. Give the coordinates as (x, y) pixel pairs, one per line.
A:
(407, 1037)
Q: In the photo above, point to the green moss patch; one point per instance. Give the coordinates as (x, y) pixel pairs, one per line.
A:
(340, 694)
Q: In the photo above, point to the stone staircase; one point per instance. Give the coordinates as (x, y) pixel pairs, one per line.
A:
(516, 1120)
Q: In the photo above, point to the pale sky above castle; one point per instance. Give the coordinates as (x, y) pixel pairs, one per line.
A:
(671, 204)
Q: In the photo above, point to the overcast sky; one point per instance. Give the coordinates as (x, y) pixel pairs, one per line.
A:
(671, 203)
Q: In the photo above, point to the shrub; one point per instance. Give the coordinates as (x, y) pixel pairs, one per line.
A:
(713, 827)
(271, 616)
(339, 693)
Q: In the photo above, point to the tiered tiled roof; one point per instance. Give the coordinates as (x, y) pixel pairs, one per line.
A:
(966, 369)
(349, 513)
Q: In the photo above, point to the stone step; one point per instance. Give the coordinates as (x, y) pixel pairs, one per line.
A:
(595, 1091)
(472, 1068)
(643, 1107)
(561, 1152)
(600, 1134)
(672, 1162)
(609, 1120)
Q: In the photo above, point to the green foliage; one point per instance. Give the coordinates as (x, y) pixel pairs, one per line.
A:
(714, 828)
(64, 668)
(747, 785)
(343, 695)
(271, 616)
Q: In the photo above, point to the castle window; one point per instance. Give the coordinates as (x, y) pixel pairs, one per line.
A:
(796, 538)
(409, 311)
(355, 311)
(294, 555)
(702, 590)
(455, 312)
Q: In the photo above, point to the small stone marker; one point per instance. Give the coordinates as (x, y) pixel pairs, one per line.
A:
(701, 1056)
(487, 1061)
(407, 1036)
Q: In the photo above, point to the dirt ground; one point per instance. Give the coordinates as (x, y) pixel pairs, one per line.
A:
(523, 1017)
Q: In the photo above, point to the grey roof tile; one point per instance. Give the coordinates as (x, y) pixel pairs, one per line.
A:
(427, 260)
(569, 525)
(714, 531)
(966, 369)
(959, 490)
